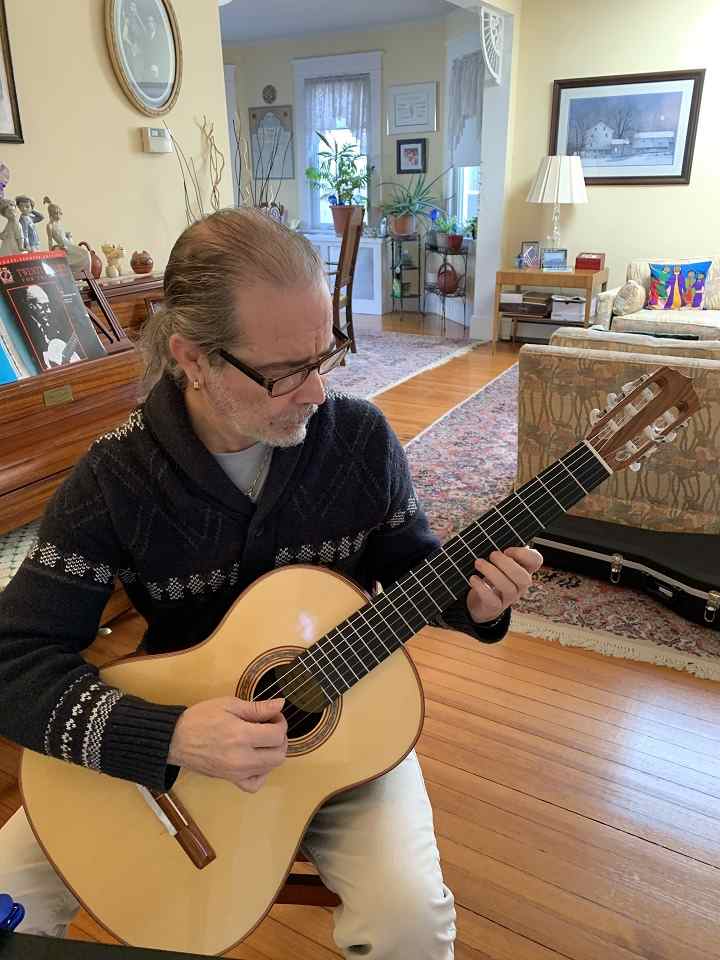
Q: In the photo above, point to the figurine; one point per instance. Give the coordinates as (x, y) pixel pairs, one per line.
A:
(114, 253)
(141, 262)
(11, 237)
(4, 179)
(60, 238)
(28, 218)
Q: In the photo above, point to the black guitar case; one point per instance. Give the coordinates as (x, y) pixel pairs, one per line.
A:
(682, 570)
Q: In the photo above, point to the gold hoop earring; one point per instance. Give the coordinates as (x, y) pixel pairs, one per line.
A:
(196, 384)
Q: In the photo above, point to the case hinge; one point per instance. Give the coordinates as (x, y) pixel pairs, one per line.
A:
(616, 563)
(711, 607)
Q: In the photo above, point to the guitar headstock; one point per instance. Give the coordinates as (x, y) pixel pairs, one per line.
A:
(645, 414)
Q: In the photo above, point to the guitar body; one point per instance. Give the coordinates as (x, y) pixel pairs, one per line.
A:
(113, 851)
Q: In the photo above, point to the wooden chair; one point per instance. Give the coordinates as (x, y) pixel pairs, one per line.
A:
(345, 272)
(306, 889)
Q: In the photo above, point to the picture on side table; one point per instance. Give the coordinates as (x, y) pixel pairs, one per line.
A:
(554, 259)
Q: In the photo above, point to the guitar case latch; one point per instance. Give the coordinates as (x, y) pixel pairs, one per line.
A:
(616, 564)
(712, 605)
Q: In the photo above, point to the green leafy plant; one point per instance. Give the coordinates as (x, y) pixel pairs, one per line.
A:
(415, 198)
(470, 228)
(338, 174)
(446, 224)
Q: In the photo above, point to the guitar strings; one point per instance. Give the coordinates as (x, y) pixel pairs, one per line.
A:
(585, 457)
(377, 613)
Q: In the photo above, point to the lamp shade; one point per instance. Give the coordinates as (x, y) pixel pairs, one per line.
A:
(559, 180)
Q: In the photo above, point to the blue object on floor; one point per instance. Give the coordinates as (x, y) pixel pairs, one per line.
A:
(11, 913)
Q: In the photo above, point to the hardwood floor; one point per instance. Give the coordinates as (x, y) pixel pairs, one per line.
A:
(576, 797)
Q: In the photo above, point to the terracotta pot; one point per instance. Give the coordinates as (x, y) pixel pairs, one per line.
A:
(341, 215)
(403, 226)
(141, 262)
(447, 279)
(455, 242)
(95, 261)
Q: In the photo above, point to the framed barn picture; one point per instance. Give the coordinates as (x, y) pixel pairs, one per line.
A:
(629, 129)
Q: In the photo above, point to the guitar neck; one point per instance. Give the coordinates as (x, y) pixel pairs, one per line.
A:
(357, 645)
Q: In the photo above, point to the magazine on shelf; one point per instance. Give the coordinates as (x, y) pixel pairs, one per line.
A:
(43, 320)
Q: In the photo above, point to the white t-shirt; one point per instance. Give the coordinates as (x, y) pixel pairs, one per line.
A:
(242, 467)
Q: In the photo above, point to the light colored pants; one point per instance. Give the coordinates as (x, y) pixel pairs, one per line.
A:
(373, 845)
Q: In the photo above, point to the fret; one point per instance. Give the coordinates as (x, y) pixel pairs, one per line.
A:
(573, 477)
(562, 508)
(521, 540)
(422, 586)
(371, 634)
(532, 513)
(440, 581)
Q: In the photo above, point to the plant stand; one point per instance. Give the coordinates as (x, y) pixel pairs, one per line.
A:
(460, 293)
(398, 269)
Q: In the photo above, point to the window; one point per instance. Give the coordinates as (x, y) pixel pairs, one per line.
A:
(339, 108)
(341, 97)
(467, 193)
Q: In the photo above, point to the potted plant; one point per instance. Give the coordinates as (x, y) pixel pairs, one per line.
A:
(338, 175)
(409, 202)
(445, 227)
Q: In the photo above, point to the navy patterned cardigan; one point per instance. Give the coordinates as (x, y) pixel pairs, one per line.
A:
(148, 503)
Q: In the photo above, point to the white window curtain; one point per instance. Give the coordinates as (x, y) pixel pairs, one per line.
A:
(467, 81)
(335, 103)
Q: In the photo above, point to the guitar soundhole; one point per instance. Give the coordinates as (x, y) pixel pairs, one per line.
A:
(311, 719)
(304, 700)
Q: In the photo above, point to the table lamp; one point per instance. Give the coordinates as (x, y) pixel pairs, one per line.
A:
(558, 180)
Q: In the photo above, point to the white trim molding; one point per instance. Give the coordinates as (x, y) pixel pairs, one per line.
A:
(344, 64)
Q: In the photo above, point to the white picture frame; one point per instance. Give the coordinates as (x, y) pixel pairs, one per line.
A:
(411, 108)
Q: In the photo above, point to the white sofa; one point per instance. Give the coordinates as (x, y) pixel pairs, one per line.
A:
(703, 324)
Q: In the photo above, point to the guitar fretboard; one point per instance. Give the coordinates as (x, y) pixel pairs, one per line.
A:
(352, 649)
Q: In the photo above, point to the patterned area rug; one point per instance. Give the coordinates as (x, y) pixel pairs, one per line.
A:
(387, 359)
(464, 463)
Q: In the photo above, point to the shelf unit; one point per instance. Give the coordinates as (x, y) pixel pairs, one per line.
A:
(413, 241)
(460, 293)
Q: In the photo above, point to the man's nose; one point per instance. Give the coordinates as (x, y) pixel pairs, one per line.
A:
(312, 391)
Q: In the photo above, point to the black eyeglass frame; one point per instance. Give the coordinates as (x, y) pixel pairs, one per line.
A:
(269, 382)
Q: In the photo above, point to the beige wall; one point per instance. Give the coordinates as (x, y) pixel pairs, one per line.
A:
(561, 39)
(412, 53)
(82, 136)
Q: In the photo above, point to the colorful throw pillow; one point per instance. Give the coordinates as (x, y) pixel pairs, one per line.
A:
(678, 286)
(629, 299)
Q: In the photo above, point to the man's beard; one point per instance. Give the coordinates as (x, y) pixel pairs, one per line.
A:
(285, 430)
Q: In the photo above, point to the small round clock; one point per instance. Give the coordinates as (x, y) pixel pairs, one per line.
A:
(269, 93)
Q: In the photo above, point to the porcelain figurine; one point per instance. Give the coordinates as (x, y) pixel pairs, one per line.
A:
(29, 216)
(11, 236)
(60, 238)
(114, 254)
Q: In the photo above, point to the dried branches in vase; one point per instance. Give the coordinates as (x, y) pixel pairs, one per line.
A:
(192, 189)
(255, 188)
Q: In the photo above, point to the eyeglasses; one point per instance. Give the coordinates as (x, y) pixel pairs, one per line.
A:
(281, 386)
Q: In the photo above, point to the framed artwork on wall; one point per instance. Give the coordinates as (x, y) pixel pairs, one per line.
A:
(146, 53)
(10, 129)
(629, 129)
(412, 108)
(271, 137)
(412, 156)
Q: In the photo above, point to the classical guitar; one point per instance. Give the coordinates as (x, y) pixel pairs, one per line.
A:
(196, 869)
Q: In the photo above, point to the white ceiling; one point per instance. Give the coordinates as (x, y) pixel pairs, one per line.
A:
(245, 21)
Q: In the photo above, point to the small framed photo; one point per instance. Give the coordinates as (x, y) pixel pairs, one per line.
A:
(412, 156)
(530, 254)
(554, 259)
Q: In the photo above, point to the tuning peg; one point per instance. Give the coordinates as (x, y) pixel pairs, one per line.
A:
(627, 387)
(596, 415)
(613, 399)
(635, 466)
(670, 436)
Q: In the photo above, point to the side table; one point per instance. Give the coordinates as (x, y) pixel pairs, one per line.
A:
(591, 281)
